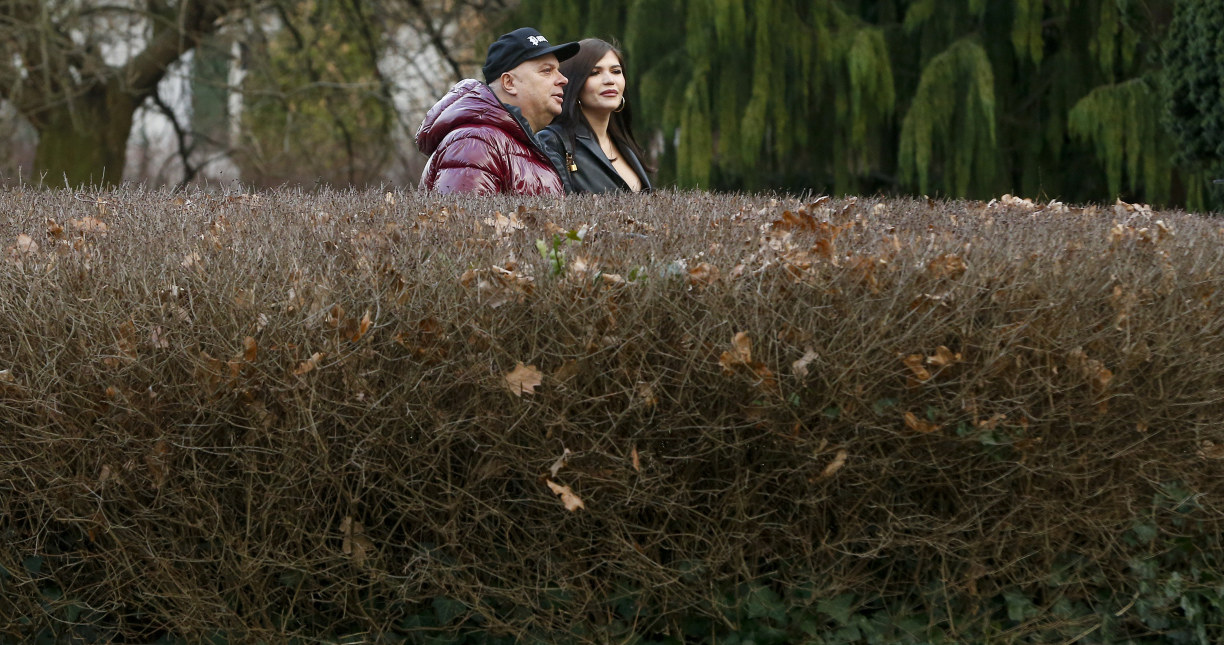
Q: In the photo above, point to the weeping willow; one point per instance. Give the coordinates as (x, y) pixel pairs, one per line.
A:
(1123, 122)
(960, 98)
(952, 120)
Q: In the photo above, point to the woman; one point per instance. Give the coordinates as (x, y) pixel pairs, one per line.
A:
(591, 143)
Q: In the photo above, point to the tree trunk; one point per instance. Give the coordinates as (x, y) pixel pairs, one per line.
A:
(85, 142)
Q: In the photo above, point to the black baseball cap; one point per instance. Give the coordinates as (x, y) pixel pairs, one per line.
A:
(520, 45)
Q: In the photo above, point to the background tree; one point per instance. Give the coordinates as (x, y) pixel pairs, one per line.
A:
(315, 104)
(78, 71)
(1194, 70)
(326, 90)
(963, 98)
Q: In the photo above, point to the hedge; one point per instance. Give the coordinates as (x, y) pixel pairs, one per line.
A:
(677, 417)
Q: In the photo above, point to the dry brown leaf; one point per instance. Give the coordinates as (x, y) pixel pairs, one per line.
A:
(560, 462)
(362, 327)
(156, 461)
(503, 225)
(703, 274)
(309, 364)
(1102, 379)
(948, 265)
(838, 461)
(635, 460)
(740, 353)
(919, 425)
(572, 502)
(89, 225)
(914, 363)
(250, 350)
(944, 357)
(26, 244)
(568, 370)
(740, 356)
(1209, 449)
(355, 543)
(523, 379)
(800, 367)
(646, 394)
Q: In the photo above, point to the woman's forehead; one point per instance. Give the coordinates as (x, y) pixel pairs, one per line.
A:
(609, 59)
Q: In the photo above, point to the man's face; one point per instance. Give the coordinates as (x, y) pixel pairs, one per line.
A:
(539, 90)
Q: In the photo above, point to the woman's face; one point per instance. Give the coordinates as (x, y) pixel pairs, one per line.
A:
(605, 85)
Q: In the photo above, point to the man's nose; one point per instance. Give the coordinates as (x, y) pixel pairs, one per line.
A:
(561, 80)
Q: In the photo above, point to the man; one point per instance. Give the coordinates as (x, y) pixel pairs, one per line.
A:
(481, 136)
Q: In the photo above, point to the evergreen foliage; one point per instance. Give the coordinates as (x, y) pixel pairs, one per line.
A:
(966, 98)
(1194, 60)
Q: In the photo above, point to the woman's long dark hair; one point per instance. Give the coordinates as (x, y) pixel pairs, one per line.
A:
(577, 69)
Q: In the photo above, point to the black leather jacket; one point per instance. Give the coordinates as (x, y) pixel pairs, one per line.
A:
(595, 173)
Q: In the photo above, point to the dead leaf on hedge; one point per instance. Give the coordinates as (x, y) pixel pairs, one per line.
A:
(740, 357)
(919, 425)
(309, 364)
(355, 543)
(190, 260)
(800, 367)
(944, 357)
(740, 353)
(560, 462)
(26, 245)
(250, 350)
(914, 363)
(1102, 377)
(948, 265)
(838, 461)
(362, 326)
(89, 226)
(1209, 449)
(156, 461)
(635, 460)
(572, 502)
(523, 379)
(703, 274)
(157, 338)
(503, 225)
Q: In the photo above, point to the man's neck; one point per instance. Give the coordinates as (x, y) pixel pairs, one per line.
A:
(532, 128)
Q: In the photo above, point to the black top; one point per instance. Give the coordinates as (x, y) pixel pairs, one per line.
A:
(595, 173)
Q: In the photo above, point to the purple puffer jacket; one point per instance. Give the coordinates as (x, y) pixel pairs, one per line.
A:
(477, 146)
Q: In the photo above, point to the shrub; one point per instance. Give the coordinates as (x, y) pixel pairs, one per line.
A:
(358, 417)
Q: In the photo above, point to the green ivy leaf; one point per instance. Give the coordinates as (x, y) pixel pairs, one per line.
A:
(839, 608)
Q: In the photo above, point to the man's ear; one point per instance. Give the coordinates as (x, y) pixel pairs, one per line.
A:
(508, 84)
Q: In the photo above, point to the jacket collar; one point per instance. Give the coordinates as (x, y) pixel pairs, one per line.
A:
(586, 139)
(517, 115)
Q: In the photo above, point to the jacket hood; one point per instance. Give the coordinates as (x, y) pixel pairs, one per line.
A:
(468, 103)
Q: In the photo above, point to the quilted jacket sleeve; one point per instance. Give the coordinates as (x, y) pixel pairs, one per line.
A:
(466, 163)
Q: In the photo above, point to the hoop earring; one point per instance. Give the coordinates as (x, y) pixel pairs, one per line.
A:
(622, 105)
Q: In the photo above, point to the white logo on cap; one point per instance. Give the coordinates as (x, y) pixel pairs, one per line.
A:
(536, 40)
